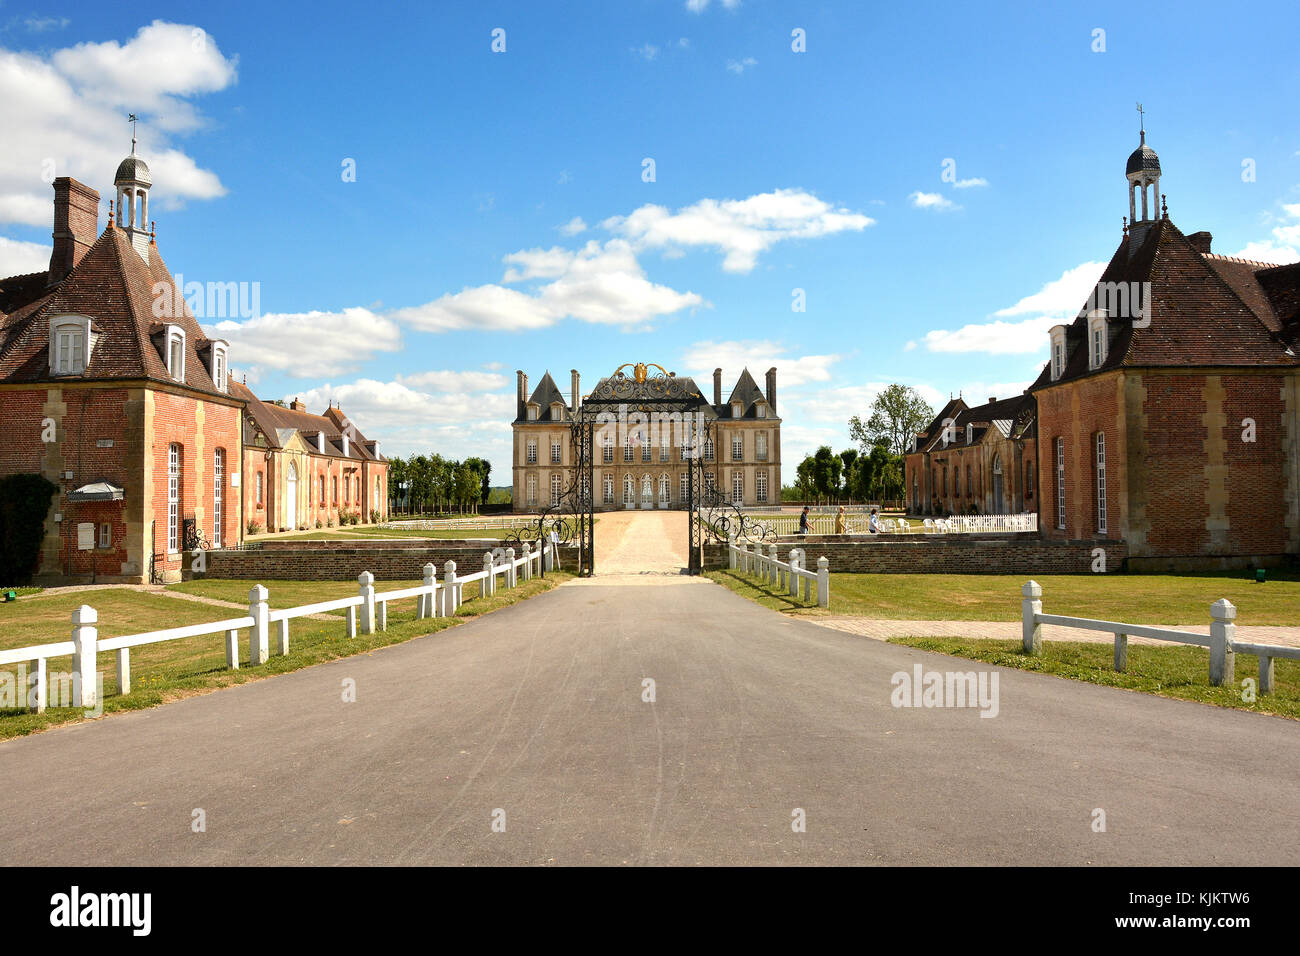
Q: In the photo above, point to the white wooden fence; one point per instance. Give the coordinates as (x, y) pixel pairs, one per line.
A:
(367, 611)
(1220, 639)
(782, 575)
(479, 523)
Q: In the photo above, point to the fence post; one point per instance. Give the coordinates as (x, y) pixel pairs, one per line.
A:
(124, 670)
(38, 681)
(548, 555)
(283, 635)
(771, 567)
(449, 589)
(232, 650)
(512, 572)
(823, 582)
(743, 561)
(425, 607)
(258, 639)
(85, 636)
(1222, 631)
(1121, 652)
(382, 619)
(528, 561)
(794, 572)
(1265, 674)
(807, 582)
(489, 576)
(1032, 605)
(731, 550)
(367, 582)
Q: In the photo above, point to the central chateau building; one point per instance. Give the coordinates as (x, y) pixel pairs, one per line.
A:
(645, 466)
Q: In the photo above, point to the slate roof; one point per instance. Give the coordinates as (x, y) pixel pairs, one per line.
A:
(657, 393)
(544, 395)
(114, 287)
(1014, 417)
(1205, 310)
(278, 425)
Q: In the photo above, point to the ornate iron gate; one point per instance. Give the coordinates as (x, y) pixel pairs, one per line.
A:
(713, 517)
(569, 517)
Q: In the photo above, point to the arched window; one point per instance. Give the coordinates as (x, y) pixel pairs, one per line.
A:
(532, 489)
(629, 490)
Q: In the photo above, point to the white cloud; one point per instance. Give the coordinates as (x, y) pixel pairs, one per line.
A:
(600, 283)
(573, 226)
(968, 183)
(308, 344)
(683, 43)
(647, 51)
(1060, 297)
(1282, 247)
(63, 114)
(19, 258)
(43, 24)
(699, 6)
(739, 228)
(932, 201)
(445, 380)
(740, 66)
(408, 421)
(493, 366)
(701, 358)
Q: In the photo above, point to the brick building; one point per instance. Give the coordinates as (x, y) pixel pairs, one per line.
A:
(979, 460)
(642, 465)
(112, 391)
(1168, 409)
(302, 470)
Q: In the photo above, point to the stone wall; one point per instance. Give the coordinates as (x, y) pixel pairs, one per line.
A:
(344, 561)
(950, 554)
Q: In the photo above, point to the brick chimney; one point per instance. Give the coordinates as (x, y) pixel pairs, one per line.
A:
(1201, 242)
(992, 399)
(298, 406)
(522, 392)
(76, 225)
(717, 386)
(575, 396)
(771, 389)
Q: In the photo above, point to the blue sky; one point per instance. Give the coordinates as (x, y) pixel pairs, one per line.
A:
(499, 218)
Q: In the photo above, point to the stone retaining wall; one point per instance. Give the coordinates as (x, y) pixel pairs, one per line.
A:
(341, 561)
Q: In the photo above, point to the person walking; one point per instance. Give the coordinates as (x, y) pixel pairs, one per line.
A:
(803, 521)
(874, 524)
(840, 520)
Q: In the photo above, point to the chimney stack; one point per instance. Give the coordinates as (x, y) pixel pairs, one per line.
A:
(575, 396)
(76, 224)
(992, 399)
(771, 389)
(717, 386)
(298, 406)
(1201, 242)
(523, 392)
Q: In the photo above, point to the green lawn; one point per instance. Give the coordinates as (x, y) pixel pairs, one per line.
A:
(1179, 671)
(283, 593)
(1132, 598)
(174, 669)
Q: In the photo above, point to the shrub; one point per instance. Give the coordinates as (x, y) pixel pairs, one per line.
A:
(318, 522)
(24, 503)
(352, 518)
(254, 527)
(343, 517)
(374, 516)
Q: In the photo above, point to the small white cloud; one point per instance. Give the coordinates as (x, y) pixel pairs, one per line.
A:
(45, 24)
(909, 346)
(493, 366)
(446, 380)
(646, 51)
(1282, 248)
(700, 358)
(573, 226)
(20, 258)
(968, 183)
(683, 43)
(740, 66)
(1060, 297)
(340, 341)
(931, 201)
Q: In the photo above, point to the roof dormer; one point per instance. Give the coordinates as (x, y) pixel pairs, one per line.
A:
(1057, 336)
(1097, 338)
(72, 342)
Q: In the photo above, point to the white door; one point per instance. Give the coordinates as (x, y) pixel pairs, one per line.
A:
(291, 498)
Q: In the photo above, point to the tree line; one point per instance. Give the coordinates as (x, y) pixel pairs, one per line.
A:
(422, 484)
(874, 470)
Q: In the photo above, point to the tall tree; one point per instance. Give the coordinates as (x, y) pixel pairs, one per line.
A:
(897, 414)
(850, 459)
(826, 471)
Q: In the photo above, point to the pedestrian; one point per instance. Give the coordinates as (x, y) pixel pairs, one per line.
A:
(839, 521)
(874, 524)
(803, 521)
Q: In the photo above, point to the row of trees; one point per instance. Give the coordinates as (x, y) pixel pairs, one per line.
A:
(874, 470)
(431, 483)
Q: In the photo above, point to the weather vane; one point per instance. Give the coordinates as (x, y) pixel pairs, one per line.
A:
(131, 118)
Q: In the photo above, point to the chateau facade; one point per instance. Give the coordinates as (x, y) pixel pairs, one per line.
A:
(638, 461)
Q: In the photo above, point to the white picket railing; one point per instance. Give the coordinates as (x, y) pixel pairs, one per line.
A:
(367, 612)
(782, 575)
(1220, 639)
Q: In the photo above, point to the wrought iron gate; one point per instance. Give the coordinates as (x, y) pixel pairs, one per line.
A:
(713, 517)
(569, 517)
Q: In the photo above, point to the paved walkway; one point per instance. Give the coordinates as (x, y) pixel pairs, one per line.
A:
(1010, 631)
(641, 543)
(538, 717)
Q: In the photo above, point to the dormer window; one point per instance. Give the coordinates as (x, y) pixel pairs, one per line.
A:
(737, 409)
(72, 340)
(557, 411)
(1058, 351)
(1096, 338)
(970, 433)
(220, 365)
(532, 413)
(760, 410)
(175, 352)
